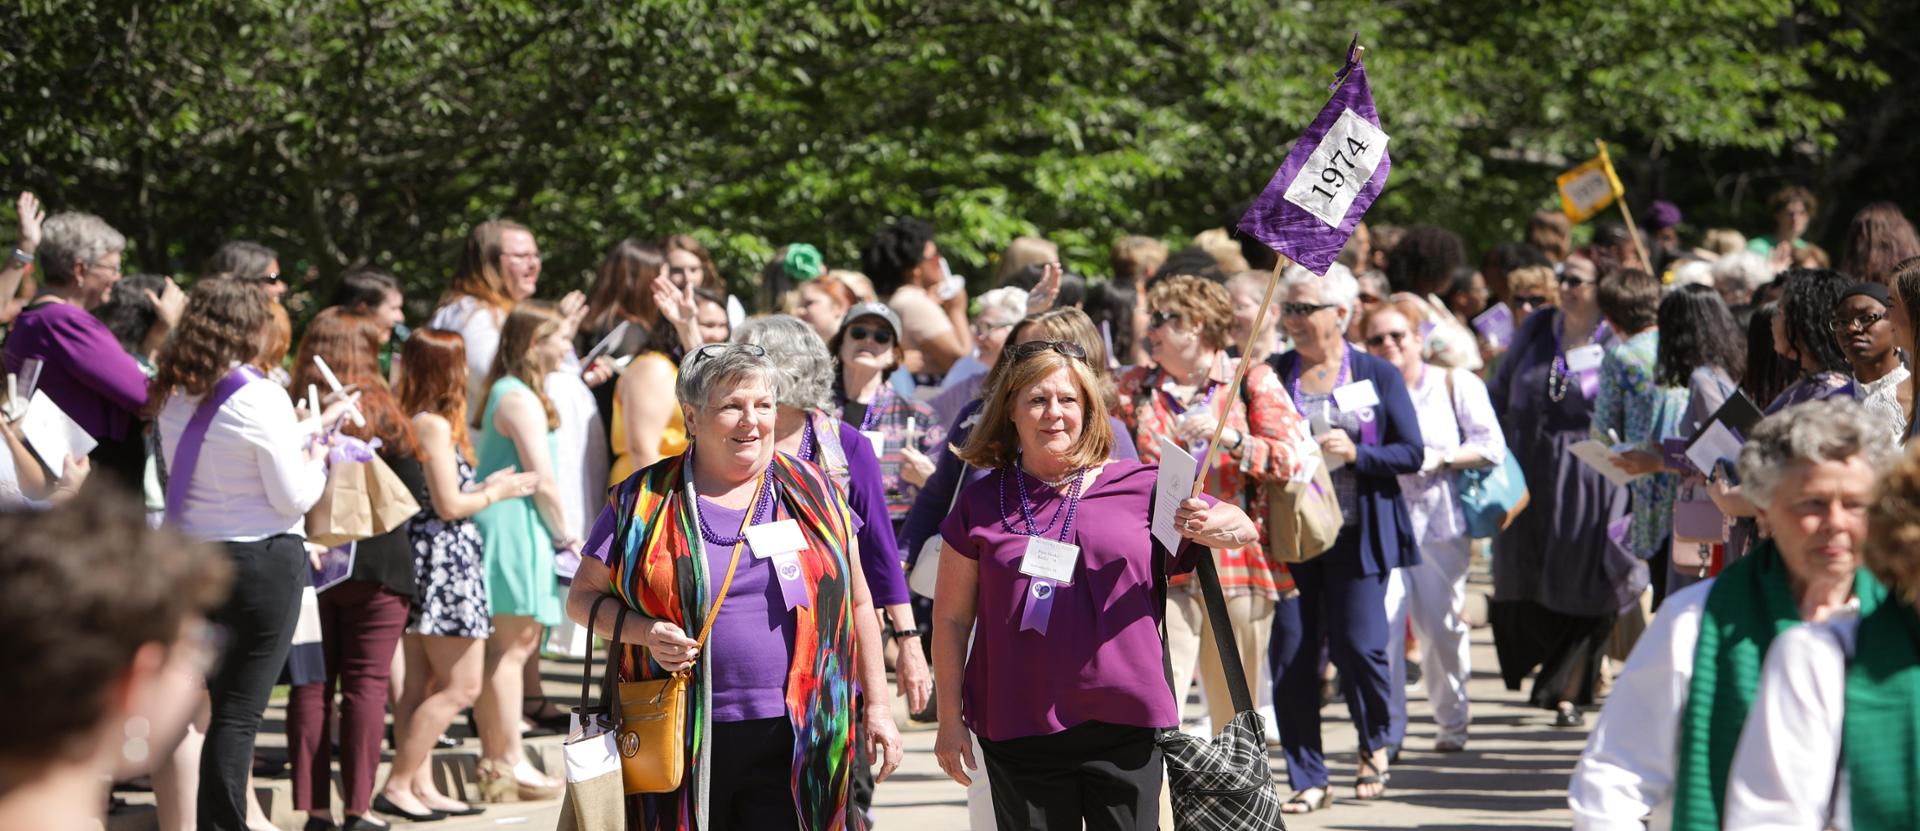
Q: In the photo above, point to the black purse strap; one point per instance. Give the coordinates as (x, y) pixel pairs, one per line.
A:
(587, 707)
(1222, 625)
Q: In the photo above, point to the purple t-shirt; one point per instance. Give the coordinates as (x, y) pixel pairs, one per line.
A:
(1101, 657)
(86, 372)
(751, 647)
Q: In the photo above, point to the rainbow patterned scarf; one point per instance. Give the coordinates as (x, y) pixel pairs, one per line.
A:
(660, 569)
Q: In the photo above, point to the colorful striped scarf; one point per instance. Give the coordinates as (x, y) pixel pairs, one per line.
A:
(660, 569)
(1881, 749)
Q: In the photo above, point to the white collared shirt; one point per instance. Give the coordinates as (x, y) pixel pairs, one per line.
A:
(253, 480)
(1787, 770)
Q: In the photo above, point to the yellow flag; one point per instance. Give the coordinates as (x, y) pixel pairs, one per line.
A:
(1588, 189)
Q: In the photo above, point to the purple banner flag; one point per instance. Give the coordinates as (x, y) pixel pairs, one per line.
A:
(1334, 173)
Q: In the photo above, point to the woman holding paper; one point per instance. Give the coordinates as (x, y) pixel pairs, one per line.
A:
(1052, 555)
(1179, 400)
(244, 469)
(1368, 434)
(1702, 350)
(1634, 408)
(1555, 571)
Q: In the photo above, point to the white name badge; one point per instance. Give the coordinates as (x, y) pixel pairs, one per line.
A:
(878, 440)
(1051, 559)
(1357, 396)
(775, 538)
(1585, 358)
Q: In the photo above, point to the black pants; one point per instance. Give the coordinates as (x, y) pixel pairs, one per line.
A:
(751, 786)
(258, 619)
(1105, 775)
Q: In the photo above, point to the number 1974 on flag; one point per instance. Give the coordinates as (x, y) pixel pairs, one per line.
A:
(1336, 170)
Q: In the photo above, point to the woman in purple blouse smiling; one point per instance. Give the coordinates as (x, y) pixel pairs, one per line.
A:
(1051, 557)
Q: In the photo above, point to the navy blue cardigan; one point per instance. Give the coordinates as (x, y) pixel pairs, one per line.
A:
(1385, 530)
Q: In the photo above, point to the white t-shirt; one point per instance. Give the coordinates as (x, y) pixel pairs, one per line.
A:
(253, 480)
(480, 325)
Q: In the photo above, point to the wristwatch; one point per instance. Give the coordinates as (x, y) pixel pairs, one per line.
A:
(902, 634)
(23, 256)
(1446, 460)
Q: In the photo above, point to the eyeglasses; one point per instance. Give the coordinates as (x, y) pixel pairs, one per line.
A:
(535, 256)
(1031, 348)
(1303, 309)
(1531, 300)
(983, 328)
(714, 350)
(1571, 281)
(1159, 319)
(1382, 338)
(116, 269)
(1369, 299)
(877, 335)
(1859, 323)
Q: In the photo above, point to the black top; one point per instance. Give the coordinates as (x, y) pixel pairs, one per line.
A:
(388, 559)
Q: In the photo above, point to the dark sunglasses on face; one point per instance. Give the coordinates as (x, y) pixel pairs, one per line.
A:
(879, 336)
(1302, 309)
(1159, 319)
(1531, 300)
(1859, 323)
(1381, 339)
(1034, 347)
(1571, 281)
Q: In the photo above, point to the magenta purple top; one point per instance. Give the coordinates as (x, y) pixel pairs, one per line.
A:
(1101, 657)
(85, 371)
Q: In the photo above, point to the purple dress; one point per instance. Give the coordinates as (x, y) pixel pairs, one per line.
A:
(1101, 659)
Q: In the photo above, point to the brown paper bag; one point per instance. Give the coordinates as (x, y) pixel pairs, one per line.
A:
(393, 504)
(344, 513)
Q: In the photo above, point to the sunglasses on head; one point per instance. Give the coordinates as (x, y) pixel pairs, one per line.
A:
(1031, 348)
(1159, 319)
(1531, 300)
(714, 350)
(1302, 309)
(872, 333)
(1382, 338)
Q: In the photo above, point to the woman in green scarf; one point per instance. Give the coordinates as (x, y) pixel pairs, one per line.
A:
(1834, 737)
(1666, 738)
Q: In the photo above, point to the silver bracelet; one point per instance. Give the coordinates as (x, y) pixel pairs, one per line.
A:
(24, 257)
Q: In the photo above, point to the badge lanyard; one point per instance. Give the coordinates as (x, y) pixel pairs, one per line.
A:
(1369, 429)
(1040, 590)
(786, 564)
(1558, 374)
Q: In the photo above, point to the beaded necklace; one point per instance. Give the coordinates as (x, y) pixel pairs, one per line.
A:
(805, 451)
(1346, 369)
(1070, 504)
(758, 513)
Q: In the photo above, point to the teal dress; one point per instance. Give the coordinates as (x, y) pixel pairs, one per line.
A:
(518, 549)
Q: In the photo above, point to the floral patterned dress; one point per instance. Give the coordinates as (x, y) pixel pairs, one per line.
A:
(450, 572)
(1633, 406)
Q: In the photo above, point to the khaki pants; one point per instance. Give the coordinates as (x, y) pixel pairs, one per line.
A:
(1190, 639)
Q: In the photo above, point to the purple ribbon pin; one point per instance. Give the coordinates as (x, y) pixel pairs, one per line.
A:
(1039, 605)
(1589, 383)
(1369, 427)
(787, 568)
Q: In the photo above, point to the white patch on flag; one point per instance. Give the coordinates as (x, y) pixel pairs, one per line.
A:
(1336, 170)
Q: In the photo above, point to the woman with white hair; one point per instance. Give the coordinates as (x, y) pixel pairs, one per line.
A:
(1737, 275)
(1368, 434)
(1558, 578)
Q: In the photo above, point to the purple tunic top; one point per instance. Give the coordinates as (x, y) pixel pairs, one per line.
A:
(86, 372)
(1101, 657)
(751, 647)
(867, 498)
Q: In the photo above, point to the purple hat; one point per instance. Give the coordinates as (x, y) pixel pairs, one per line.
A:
(1662, 214)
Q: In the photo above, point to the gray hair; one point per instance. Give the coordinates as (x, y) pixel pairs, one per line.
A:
(720, 366)
(1741, 272)
(798, 354)
(1010, 301)
(68, 239)
(1833, 430)
(1337, 288)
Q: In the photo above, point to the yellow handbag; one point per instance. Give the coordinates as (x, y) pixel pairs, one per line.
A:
(653, 716)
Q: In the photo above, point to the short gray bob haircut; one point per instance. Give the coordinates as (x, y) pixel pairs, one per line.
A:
(800, 356)
(68, 239)
(1833, 430)
(719, 367)
(1337, 288)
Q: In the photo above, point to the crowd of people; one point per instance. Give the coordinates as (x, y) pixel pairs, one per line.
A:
(889, 476)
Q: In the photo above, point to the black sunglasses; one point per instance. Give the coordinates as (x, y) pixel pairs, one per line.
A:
(877, 335)
(1031, 348)
(1570, 280)
(1531, 300)
(1159, 319)
(1302, 309)
(713, 350)
(1382, 338)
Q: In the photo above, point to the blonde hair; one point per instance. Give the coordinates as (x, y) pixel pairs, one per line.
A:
(1534, 279)
(1023, 252)
(1222, 248)
(528, 324)
(1073, 326)
(1202, 303)
(995, 442)
(1724, 241)
(1891, 551)
(854, 281)
(1135, 258)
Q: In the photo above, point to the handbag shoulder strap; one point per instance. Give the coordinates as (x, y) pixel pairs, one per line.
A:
(1222, 625)
(586, 676)
(1453, 406)
(713, 612)
(187, 453)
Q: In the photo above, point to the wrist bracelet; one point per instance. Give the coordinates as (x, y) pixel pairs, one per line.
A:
(898, 634)
(23, 256)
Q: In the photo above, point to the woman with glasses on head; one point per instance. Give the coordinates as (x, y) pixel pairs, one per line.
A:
(1865, 334)
(1368, 435)
(903, 431)
(1061, 747)
(1554, 603)
(1458, 431)
(769, 738)
(1179, 399)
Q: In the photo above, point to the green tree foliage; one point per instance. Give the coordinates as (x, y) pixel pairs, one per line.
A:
(349, 131)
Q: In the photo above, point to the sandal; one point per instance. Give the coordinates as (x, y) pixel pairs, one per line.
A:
(1370, 775)
(1300, 805)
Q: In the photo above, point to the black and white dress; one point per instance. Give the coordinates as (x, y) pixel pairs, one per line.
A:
(450, 574)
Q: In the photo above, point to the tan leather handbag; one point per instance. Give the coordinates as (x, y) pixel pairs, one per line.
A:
(653, 716)
(1303, 518)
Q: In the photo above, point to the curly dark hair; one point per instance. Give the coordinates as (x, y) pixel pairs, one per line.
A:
(1696, 330)
(1807, 298)
(1423, 260)
(893, 251)
(1768, 372)
(225, 322)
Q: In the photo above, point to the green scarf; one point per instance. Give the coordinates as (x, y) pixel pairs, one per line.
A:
(1751, 602)
(1880, 754)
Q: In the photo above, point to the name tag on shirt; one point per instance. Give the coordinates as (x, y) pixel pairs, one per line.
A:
(877, 439)
(1357, 396)
(1051, 559)
(1585, 358)
(774, 539)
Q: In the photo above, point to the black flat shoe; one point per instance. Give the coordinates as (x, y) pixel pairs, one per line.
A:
(364, 824)
(468, 811)
(384, 805)
(1568, 716)
(316, 824)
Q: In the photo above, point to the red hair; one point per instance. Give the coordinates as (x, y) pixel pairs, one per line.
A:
(433, 379)
(350, 344)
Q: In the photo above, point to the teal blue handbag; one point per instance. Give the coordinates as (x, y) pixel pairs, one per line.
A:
(1490, 497)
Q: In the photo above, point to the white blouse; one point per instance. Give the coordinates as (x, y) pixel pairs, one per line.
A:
(479, 324)
(1882, 398)
(1787, 768)
(1465, 421)
(253, 480)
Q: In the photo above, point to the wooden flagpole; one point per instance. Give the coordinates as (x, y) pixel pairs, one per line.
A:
(1633, 230)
